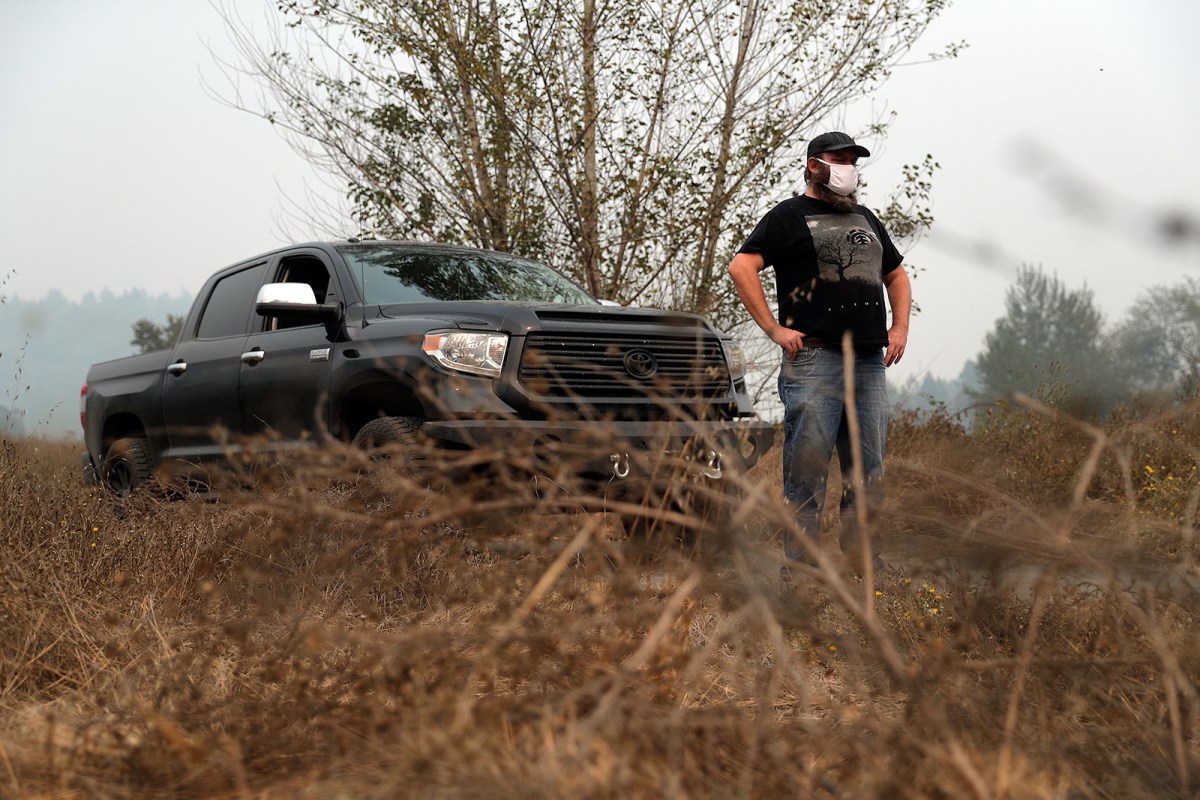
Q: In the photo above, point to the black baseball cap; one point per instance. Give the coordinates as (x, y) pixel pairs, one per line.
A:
(834, 140)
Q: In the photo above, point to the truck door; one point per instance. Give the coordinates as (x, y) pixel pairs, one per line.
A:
(285, 367)
(201, 404)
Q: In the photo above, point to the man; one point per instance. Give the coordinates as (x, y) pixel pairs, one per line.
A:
(833, 261)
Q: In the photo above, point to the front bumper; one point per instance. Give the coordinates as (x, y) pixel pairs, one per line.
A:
(612, 449)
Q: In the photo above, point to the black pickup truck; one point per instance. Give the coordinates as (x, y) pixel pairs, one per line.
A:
(393, 342)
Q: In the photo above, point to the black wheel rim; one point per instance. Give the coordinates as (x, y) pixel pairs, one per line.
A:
(120, 478)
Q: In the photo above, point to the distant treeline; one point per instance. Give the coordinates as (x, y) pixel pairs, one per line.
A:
(1053, 344)
(47, 345)
(928, 391)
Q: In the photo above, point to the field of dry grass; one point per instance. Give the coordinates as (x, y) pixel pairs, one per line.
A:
(331, 628)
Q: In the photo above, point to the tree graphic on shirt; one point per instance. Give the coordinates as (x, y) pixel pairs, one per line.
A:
(839, 254)
(846, 248)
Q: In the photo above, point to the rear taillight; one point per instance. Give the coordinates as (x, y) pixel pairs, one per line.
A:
(83, 406)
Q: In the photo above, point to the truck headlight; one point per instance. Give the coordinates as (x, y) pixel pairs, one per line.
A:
(735, 359)
(467, 351)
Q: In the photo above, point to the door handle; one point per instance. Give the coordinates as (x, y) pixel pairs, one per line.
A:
(178, 368)
(254, 356)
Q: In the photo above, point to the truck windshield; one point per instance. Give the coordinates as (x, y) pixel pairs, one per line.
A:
(391, 274)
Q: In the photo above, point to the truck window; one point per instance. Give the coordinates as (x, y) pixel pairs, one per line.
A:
(300, 269)
(405, 274)
(227, 312)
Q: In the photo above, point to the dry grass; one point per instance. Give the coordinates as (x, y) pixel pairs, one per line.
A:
(336, 630)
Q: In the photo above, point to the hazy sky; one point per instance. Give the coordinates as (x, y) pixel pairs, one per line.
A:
(1062, 131)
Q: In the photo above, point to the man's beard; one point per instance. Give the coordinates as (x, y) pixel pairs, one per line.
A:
(843, 203)
(818, 181)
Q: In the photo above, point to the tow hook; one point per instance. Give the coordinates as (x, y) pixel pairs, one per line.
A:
(714, 465)
(620, 462)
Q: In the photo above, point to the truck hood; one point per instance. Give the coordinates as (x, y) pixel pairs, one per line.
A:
(519, 318)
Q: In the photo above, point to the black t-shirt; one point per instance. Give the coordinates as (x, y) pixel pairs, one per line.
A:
(829, 268)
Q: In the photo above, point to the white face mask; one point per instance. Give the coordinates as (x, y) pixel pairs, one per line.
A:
(843, 178)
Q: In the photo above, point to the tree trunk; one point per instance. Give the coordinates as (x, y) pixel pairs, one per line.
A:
(712, 222)
(590, 251)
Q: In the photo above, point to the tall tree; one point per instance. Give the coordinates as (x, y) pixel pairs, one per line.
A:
(1049, 344)
(1159, 341)
(631, 143)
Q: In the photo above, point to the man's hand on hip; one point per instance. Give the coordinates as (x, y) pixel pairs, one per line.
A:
(790, 340)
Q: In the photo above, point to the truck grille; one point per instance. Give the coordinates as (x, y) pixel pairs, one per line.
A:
(587, 366)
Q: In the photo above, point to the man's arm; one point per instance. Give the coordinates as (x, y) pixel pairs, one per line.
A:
(744, 270)
(899, 292)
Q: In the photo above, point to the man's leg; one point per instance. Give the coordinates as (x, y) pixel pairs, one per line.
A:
(811, 389)
(871, 408)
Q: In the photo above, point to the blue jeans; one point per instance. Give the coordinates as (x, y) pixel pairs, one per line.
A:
(812, 387)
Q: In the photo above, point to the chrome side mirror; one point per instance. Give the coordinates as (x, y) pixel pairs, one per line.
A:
(294, 301)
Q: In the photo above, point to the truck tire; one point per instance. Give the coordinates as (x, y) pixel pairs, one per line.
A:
(127, 465)
(397, 434)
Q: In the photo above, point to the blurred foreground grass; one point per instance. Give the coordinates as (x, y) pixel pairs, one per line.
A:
(336, 630)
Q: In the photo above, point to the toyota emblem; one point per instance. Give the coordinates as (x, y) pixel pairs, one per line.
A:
(640, 363)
